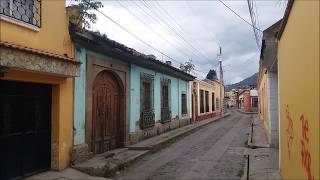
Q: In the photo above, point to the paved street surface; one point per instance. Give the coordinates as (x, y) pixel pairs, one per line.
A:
(213, 152)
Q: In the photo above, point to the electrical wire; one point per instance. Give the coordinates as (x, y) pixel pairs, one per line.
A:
(240, 16)
(162, 25)
(170, 27)
(150, 28)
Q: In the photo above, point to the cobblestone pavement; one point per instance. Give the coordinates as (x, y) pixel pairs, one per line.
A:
(213, 152)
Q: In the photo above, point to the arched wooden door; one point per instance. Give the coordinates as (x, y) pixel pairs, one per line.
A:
(107, 133)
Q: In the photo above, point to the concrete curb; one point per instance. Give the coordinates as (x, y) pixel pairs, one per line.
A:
(243, 112)
(161, 145)
(109, 170)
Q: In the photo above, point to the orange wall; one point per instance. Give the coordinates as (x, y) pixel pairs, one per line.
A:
(53, 36)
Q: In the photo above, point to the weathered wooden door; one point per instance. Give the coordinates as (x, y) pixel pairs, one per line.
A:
(25, 129)
(107, 133)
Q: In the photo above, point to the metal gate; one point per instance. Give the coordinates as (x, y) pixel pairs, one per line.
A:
(25, 129)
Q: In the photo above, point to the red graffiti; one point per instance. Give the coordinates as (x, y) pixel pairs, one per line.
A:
(305, 153)
(305, 128)
(290, 134)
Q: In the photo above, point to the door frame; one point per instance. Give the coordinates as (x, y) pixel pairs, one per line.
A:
(120, 125)
(95, 65)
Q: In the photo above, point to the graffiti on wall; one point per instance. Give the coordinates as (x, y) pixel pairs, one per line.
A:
(305, 153)
(289, 130)
(304, 141)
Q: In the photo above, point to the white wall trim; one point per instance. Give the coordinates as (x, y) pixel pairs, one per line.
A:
(19, 23)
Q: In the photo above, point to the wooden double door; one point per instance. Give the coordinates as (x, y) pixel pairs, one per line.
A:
(107, 109)
(25, 129)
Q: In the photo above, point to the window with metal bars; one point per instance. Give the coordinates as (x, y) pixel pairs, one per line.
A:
(147, 117)
(184, 109)
(201, 101)
(207, 100)
(165, 102)
(27, 11)
(212, 100)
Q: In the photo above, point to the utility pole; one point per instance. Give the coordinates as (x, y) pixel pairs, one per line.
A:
(221, 80)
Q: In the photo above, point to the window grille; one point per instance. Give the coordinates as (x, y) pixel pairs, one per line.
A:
(212, 100)
(201, 101)
(184, 109)
(165, 102)
(207, 100)
(147, 118)
(27, 11)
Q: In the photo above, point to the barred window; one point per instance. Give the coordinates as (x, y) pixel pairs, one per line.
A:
(207, 100)
(184, 109)
(147, 118)
(212, 100)
(28, 11)
(201, 101)
(165, 102)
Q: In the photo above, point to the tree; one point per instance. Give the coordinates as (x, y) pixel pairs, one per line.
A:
(212, 75)
(187, 66)
(81, 13)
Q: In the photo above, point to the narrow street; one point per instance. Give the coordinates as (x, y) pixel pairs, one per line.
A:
(213, 152)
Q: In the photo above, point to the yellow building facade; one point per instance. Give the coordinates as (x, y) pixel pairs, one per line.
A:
(263, 100)
(37, 55)
(206, 99)
(298, 68)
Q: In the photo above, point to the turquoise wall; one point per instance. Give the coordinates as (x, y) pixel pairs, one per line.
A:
(176, 88)
(80, 99)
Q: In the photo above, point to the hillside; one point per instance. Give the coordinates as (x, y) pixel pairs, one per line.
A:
(250, 81)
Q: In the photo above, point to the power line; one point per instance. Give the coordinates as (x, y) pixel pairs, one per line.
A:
(254, 22)
(125, 29)
(149, 27)
(240, 16)
(132, 34)
(180, 29)
(159, 22)
(170, 27)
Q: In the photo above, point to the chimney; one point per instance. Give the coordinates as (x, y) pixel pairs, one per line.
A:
(169, 63)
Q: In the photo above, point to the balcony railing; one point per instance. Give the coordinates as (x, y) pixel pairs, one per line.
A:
(27, 11)
(165, 114)
(147, 118)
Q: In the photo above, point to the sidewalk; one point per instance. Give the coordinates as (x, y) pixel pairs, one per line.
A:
(263, 159)
(109, 163)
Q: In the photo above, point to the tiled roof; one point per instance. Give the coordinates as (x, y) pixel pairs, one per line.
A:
(37, 51)
(100, 40)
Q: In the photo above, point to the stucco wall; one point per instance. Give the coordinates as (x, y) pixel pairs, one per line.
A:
(80, 99)
(177, 86)
(53, 35)
(273, 133)
(263, 94)
(92, 64)
(298, 65)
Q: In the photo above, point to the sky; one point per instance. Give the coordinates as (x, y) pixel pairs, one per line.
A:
(193, 30)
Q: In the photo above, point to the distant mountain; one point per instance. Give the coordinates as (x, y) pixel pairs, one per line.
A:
(249, 82)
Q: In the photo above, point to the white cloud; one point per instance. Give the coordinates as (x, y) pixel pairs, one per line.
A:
(206, 25)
